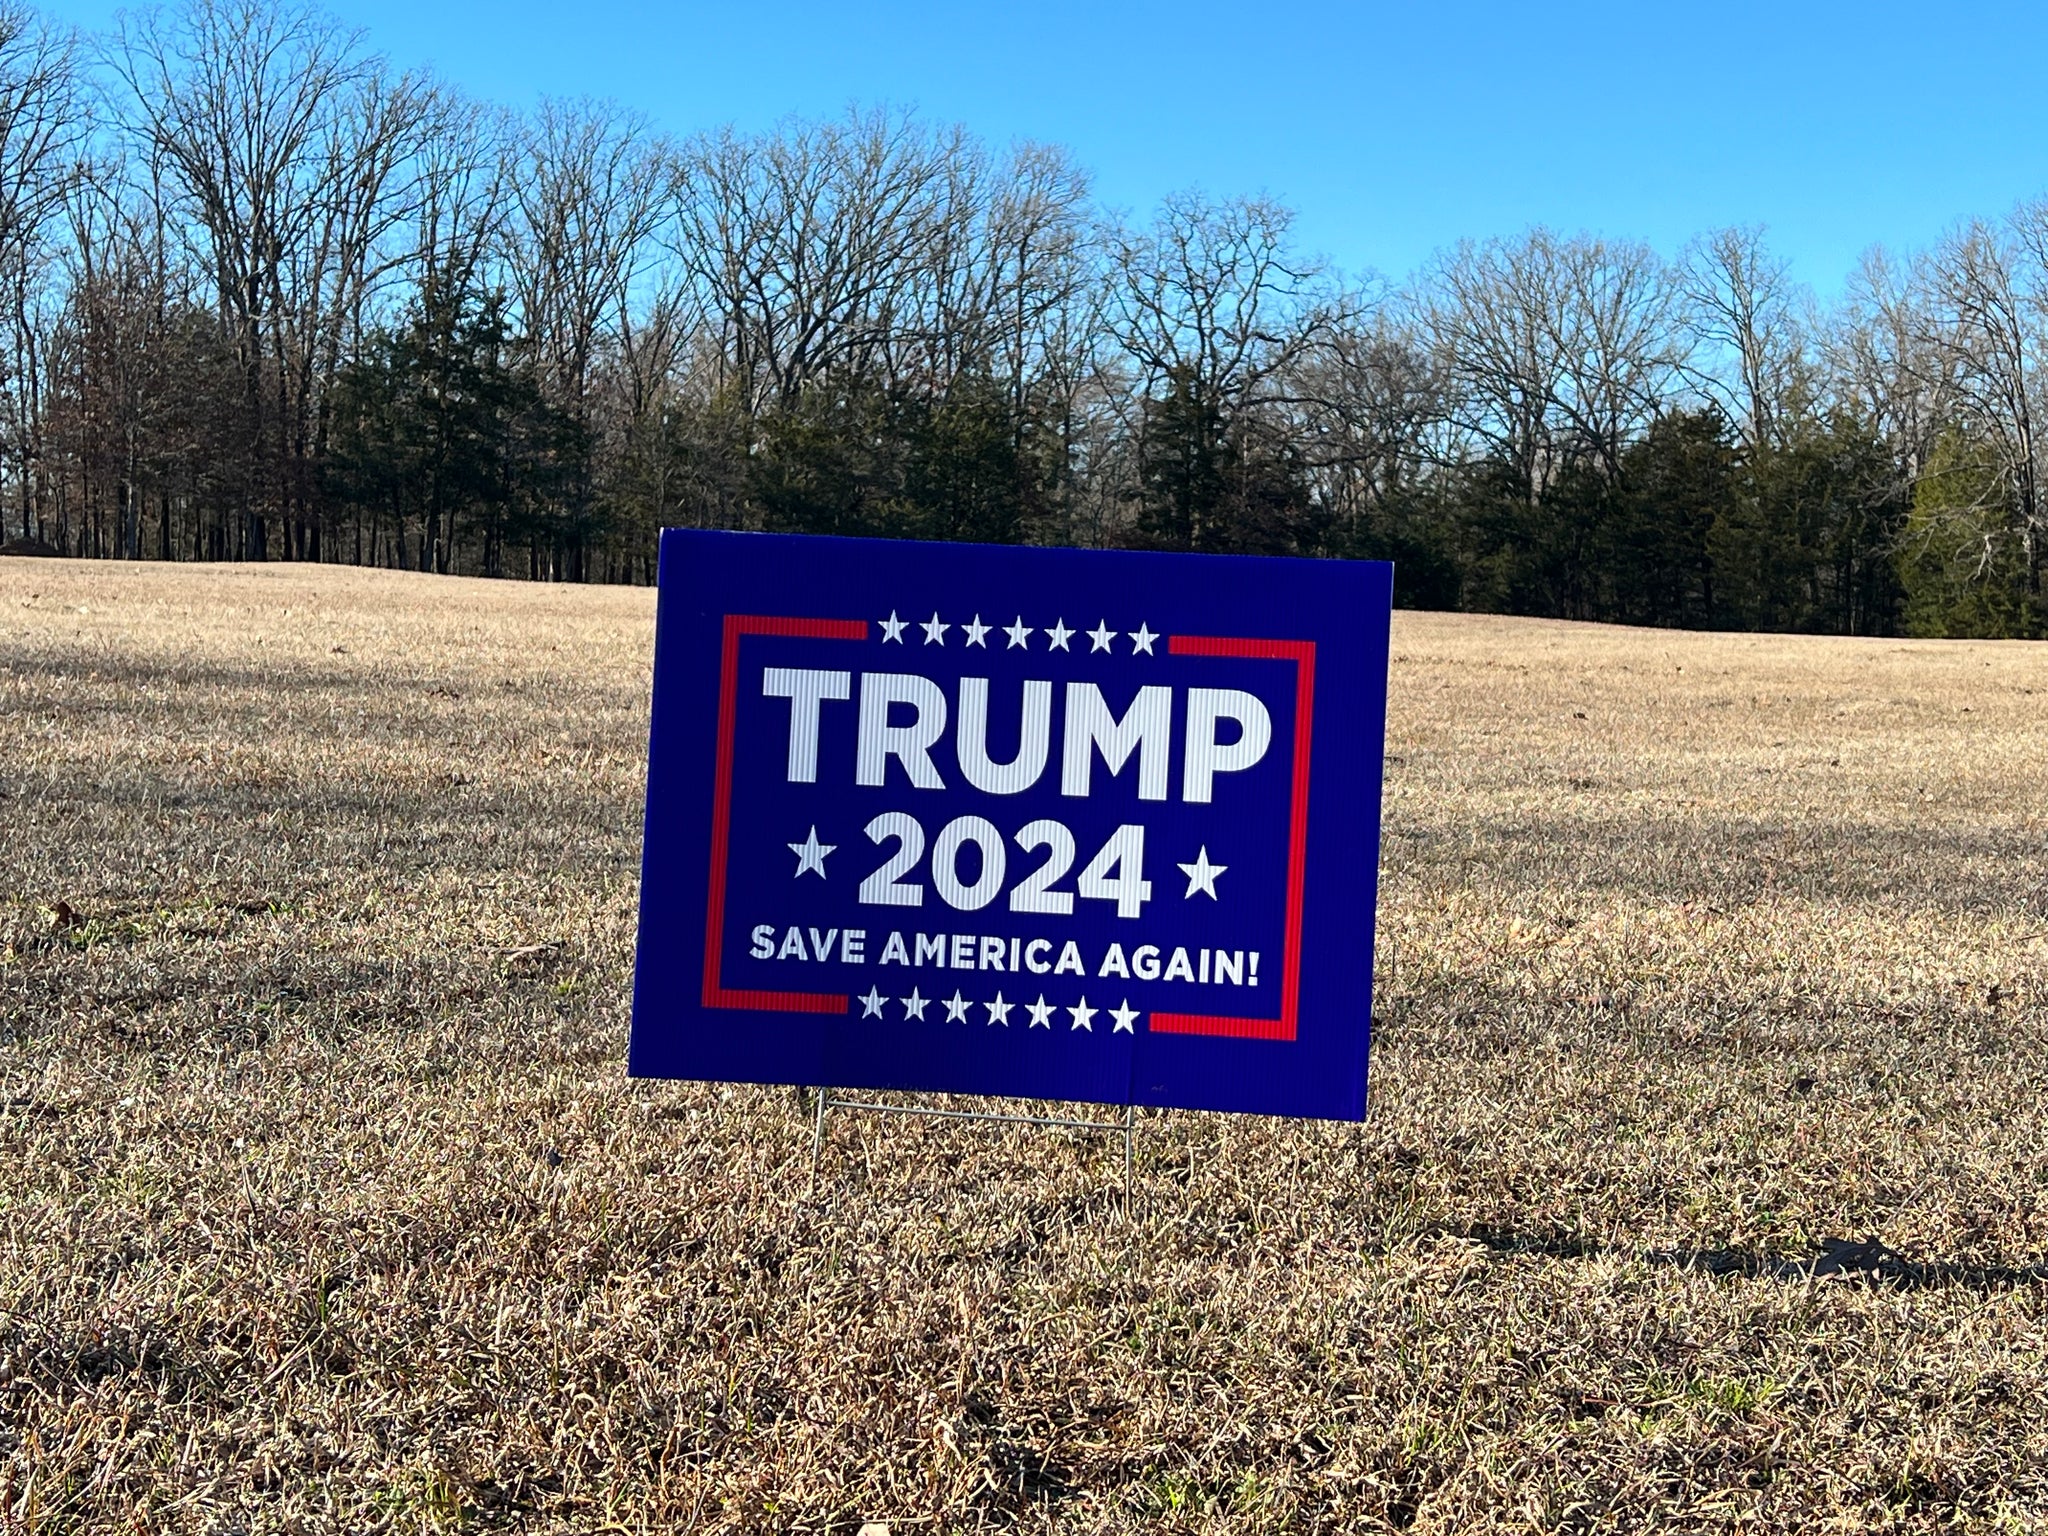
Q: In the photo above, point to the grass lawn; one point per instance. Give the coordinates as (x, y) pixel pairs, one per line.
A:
(1705, 1184)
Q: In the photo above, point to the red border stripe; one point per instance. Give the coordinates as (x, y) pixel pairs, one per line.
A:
(1303, 654)
(736, 625)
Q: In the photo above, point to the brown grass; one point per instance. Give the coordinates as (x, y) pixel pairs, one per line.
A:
(1704, 1185)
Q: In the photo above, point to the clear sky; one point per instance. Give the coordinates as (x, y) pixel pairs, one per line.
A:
(1392, 129)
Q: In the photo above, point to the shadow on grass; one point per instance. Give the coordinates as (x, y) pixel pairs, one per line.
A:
(1860, 1261)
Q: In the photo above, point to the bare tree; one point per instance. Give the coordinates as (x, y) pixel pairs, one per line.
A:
(1553, 347)
(109, 347)
(1878, 361)
(878, 246)
(1744, 307)
(1212, 308)
(588, 193)
(1984, 297)
(1371, 396)
(231, 95)
(369, 189)
(290, 152)
(1213, 293)
(461, 171)
(1044, 290)
(43, 124)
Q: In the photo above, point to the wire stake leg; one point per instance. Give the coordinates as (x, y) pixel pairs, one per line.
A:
(818, 1135)
(1130, 1152)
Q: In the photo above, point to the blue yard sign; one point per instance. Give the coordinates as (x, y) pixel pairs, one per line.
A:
(1059, 824)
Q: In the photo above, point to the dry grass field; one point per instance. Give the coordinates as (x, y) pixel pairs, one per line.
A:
(1705, 1185)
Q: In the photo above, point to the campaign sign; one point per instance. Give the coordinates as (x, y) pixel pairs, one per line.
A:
(1062, 824)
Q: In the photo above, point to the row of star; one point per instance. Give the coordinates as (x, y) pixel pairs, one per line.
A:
(1056, 637)
(1124, 1017)
(810, 859)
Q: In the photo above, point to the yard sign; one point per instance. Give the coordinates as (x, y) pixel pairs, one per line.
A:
(1060, 824)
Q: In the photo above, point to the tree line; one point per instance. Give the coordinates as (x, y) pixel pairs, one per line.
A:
(267, 296)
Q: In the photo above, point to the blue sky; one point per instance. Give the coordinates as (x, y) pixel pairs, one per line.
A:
(1393, 130)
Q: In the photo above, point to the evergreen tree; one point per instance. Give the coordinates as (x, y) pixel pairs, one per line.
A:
(1808, 542)
(1223, 486)
(436, 430)
(1961, 557)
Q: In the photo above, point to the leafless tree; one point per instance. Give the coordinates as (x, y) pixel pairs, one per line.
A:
(815, 247)
(1371, 396)
(1212, 293)
(588, 196)
(461, 171)
(231, 96)
(288, 149)
(1878, 363)
(1043, 284)
(1745, 309)
(370, 189)
(1984, 297)
(1553, 347)
(43, 123)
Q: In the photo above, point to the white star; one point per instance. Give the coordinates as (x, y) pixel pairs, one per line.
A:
(1041, 1013)
(1202, 875)
(934, 631)
(999, 1011)
(1018, 633)
(871, 1005)
(956, 1008)
(892, 628)
(1058, 636)
(1082, 1013)
(976, 630)
(1126, 1019)
(913, 1006)
(810, 855)
(1101, 634)
(1141, 640)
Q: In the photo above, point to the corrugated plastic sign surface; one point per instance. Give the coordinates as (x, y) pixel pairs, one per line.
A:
(1062, 824)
